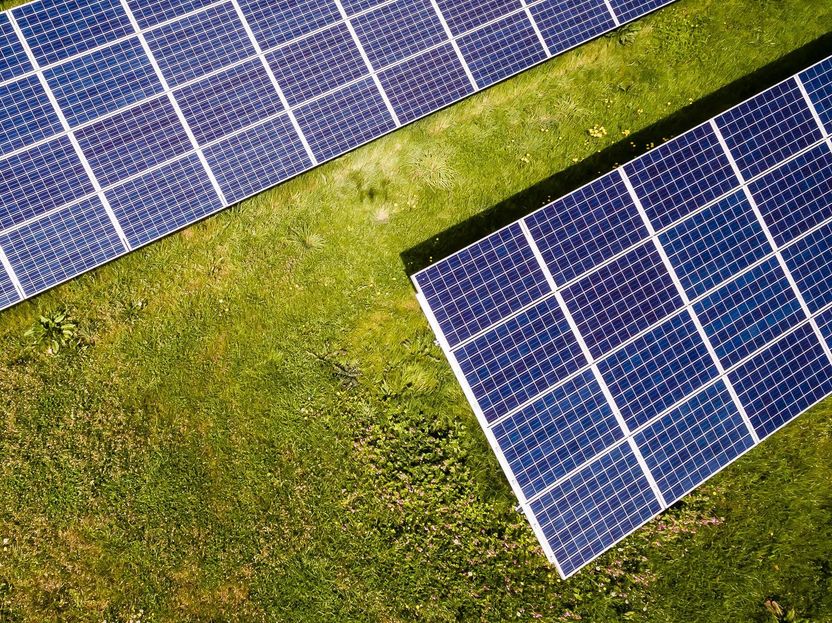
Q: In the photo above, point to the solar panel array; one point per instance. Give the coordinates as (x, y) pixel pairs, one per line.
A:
(624, 343)
(124, 120)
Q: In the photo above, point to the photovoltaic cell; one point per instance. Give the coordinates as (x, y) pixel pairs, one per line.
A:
(275, 22)
(768, 128)
(549, 438)
(26, 114)
(13, 59)
(483, 284)
(690, 443)
(627, 10)
(566, 23)
(8, 294)
(465, 15)
(148, 13)
(784, 380)
(810, 263)
(817, 81)
(61, 245)
(594, 508)
(580, 231)
(520, 358)
(824, 321)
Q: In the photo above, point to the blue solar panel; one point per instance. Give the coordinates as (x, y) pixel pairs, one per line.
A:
(339, 121)
(520, 358)
(8, 294)
(13, 59)
(317, 64)
(690, 443)
(585, 228)
(35, 181)
(824, 321)
(398, 30)
(549, 438)
(133, 141)
(257, 158)
(783, 380)
(749, 312)
(483, 284)
(714, 244)
(463, 16)
(58, 29)
(810, 263)
(593, 509)
(61, 245)
(566, 23)
(621, 299)
(796, 196)
(103, 81)
(768, 128)
(229, 101)
(151, 12)
(818, 84)
(275, 22)
(163, 200)
(501, 49)
(680, 176)
(199, 44)
(424, 83)
(628, 10)
(657, 370)
(26, 114)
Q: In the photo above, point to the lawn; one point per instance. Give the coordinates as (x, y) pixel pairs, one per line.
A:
(251, 421)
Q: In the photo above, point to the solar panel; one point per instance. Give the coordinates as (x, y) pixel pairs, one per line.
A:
(624, 343)
(106, 97)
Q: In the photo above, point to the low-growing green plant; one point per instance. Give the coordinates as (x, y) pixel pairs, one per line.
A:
(55, 330)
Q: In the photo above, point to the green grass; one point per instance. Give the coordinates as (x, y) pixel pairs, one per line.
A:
(251, 421)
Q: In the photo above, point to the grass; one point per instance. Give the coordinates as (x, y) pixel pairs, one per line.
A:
(251, 421)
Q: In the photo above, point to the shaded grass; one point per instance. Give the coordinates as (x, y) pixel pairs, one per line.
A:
(261, 428)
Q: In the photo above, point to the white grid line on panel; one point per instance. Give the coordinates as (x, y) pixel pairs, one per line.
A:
(780, 260)
(70, 134)
(612, 13)
(262, 56)
(12, 275)
(811, 106)
(367, 62)
(455, 45)
(687, 304)
(536, 28)
(594, 367)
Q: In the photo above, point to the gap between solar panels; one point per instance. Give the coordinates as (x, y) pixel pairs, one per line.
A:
(626, 342)
(125, 120)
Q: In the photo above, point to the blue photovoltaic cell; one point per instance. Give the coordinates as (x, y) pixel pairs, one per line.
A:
(57, 29)
(465, 15)
(657, 370)
(424, 83)
(594, 508)
(555, 434)
(229, 101)
(768, 128)
(483, 284)
(316, 64)
(132, 141)
(715, 244)
(687, 445)
(627, 10)
(163, 200)
(748, 312)
(337, 122)
(103, 81)
(501, 49)
(199, 44)
(151, 12)
(39, 179)
(583, 229)
(680, 176)
(796, 196)
(351, 7)
(520, 358)
(13, 59)
(566, 23)
(257, 158)
(824, 322)
(621, 299)
(784, 380)
(810, 263)
(8, 294)
(817, 81)
(61, 245)
(398, 30)
(26, 114)
(277, 21)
